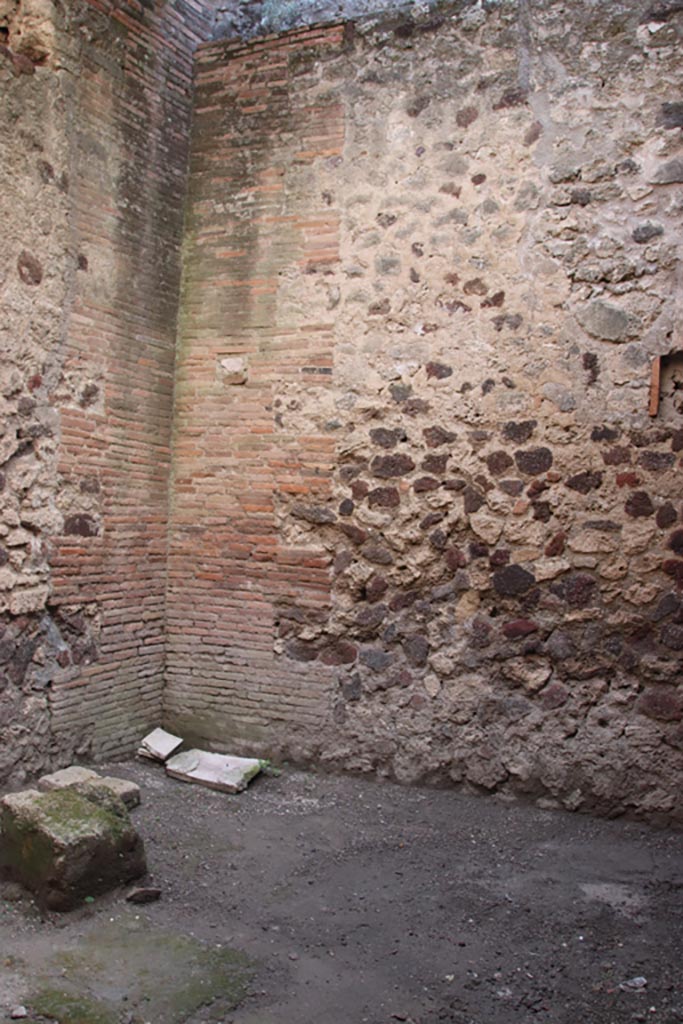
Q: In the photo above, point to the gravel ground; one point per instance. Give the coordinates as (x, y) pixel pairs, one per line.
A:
(358, 901)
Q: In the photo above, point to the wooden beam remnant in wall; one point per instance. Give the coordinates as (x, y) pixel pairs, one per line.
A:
(655, 385)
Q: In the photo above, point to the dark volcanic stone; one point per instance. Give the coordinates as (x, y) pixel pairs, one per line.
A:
(351, 689)
(435, 463)
(656, 462)
(666, 516)
(672, 115)
(676, 542)
(403, 599)
(376, 660)
(617, 456)
(369, 619)
(339, 653)
(416, 650)
(438, 370)
(585, 482)
(342, 561)
(467, 115)
(672, 567)
(80, 525)
(386, 438)
(455, 558)
(512, 580)
(542, 511)
(438, 540)
(384, 497)
(355, 533)
(578, 589)
(387, 466)
(519, 628)
(29, 268)
(639, 505)
(646, 232)
(317, 515)
(376, 587)
(663, 704)
(512, 487)
(498, 462)
(515, 96)
(474, 499)
(377, 553)
(554, 696)
(533, 461)
(415, 406)
(671, 636)
(666, 605)
(605, 433)
(431, 520)
(300, 650)
(425, 483)
(520, 431)
(436, 436)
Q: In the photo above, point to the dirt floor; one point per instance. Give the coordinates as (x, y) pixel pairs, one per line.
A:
(313, 899)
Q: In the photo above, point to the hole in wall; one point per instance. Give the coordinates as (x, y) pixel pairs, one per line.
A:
(666, 391)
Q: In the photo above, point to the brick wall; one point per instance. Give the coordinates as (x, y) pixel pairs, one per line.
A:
(469, 217)
(106, 161)
(246, 352)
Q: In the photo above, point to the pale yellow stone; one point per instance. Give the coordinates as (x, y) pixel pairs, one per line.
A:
(591, 541)
(531, 672)
(614, 570)
(486, 526)
(432, 685)
(30, 600)
(549, 568)
(642, 593)
(467, 606)
(636, 537)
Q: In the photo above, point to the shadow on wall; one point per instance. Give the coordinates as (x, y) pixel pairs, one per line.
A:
(251, 18)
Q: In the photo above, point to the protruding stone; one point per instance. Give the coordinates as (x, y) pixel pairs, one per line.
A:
(64, 846)
(534, 461)
(66, 777)
(670, 173)
(639, 505)
(604, 320)
(512, 580)
(387, 466)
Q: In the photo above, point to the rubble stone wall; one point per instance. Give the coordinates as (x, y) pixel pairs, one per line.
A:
(423, 524)
(95, 105)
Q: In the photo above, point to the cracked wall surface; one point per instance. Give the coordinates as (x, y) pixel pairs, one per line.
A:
(422, 523)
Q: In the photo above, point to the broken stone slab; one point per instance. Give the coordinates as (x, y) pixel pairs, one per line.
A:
(66, 777)
(159, 745)
(79, 779)
(64, 846)
(217, 771)
(124, 789)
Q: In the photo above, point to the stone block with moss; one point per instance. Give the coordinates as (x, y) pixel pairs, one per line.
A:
(64, 846)
(80, 779)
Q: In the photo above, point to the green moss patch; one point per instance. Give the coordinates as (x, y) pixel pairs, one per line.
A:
(59, 1005)
(164, 978)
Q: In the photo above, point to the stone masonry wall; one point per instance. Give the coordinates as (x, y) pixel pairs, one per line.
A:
(95, 104)
(422, 522)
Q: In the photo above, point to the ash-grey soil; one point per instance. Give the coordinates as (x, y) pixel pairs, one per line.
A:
(357, 901)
